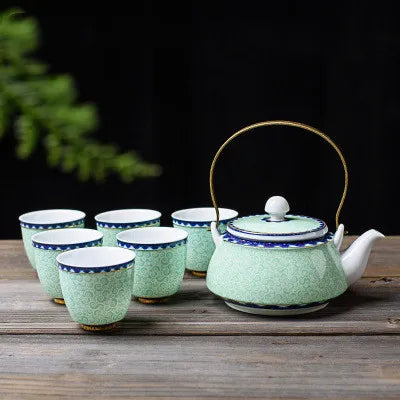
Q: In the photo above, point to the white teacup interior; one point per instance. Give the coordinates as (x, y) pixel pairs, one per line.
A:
(49, 217)
(67, 236)
(152, 235)
(96, 257)
(204, 214)
(127, 216)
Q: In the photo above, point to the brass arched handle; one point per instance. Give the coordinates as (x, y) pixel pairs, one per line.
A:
(284, 123)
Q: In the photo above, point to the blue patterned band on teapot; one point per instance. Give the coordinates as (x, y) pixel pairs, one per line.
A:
(227, 237)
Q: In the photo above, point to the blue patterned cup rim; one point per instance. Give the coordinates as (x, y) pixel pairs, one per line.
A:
(95, 259)
(51, 219)
(66, 239)
(202, 216)
(127, 218)
(152, 238)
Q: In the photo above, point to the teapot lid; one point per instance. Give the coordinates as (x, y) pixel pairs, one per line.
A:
(277, 225)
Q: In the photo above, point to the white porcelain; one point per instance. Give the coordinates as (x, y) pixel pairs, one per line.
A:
(51, 217)
(277, 207)
(355, 258)
(95, 257)
(152, 235)
(126, 216)
(67, 236)
(267, 238)
(204, 214)
(275, 313)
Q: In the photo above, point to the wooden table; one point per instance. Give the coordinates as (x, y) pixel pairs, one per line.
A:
(196, 347)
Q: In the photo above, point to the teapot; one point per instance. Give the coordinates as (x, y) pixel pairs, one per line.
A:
(282, 264)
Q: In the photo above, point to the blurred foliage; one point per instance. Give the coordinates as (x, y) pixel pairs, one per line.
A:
(44, 111)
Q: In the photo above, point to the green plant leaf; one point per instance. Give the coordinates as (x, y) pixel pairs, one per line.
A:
(3, 116)
(45, 110)
(27, 135)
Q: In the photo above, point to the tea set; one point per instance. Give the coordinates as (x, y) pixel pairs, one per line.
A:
(274, 263)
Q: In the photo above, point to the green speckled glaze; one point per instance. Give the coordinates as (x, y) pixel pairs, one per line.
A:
(27, 234)
(109, 238)
(99, 298)
(47, 269)
(158, 273)
(276, 276)
(200, 246)
(260, 223)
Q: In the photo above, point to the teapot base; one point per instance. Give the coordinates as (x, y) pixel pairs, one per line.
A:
(275, 311)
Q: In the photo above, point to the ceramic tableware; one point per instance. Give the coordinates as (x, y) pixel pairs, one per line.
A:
(49, 244)
(38, 221)
(283, 264)
(97, 285)
(110, 223)
(196, 222)
(160, 261)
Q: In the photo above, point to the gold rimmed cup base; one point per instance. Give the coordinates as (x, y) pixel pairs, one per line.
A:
(59, 301)
(199, 274)
(159, 300)
(99, 328)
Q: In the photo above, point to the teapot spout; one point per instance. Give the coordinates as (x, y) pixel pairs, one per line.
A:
(355, 258)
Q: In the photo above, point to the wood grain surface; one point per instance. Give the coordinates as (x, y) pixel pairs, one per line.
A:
(200, 367)
(370, 307)
(196, 347)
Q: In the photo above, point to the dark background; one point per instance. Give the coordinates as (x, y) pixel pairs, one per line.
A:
(174, 80)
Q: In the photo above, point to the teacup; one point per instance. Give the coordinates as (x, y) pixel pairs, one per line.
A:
(110, 223)
(200, 246)
(160, 261)
(37, 221)
(49, 244)
(97, 285)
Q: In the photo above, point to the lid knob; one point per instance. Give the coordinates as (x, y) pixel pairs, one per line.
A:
(277, 207)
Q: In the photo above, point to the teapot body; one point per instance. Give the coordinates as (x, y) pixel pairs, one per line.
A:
(282, 264)
(276, 278)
